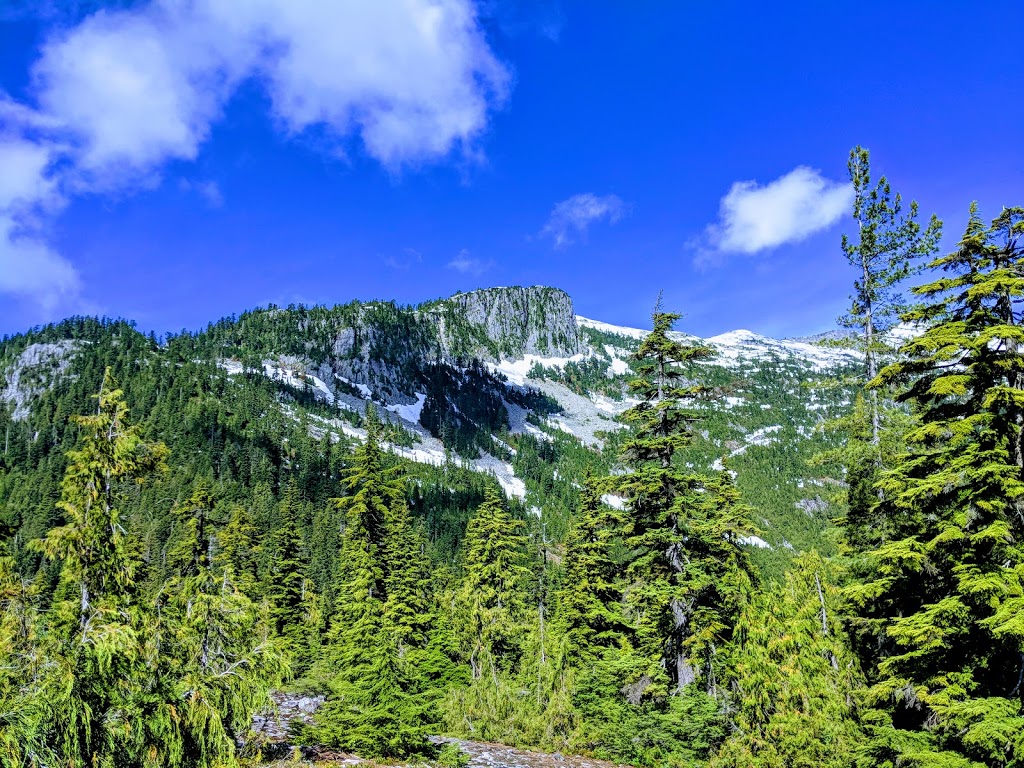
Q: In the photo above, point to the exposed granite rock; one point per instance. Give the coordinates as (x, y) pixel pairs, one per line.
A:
(34, 371)
(511, 323)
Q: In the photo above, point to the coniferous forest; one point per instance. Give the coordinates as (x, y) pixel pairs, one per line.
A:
(181, 538)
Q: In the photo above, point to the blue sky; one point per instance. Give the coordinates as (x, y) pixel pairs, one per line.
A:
(174, 162)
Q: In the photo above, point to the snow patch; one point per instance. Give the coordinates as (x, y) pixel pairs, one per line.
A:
(618, 330)
(410, 412)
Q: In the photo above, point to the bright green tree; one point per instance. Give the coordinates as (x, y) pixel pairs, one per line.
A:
(210, 645)
(795, 676)
(944, 599)
(490, 601)
(22, 709)
(93, 640)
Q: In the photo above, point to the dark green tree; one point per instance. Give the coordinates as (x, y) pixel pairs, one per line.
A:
(690, 574)
(590, 601)
(374, 708)
(286, 583)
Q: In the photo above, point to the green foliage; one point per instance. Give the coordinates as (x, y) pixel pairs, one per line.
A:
(109, 679)
(490, 601)
(375, 708)
(690, 572)
(795, 676)
(943, 595)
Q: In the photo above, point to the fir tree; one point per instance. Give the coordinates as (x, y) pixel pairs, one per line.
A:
(286, 581)
(374, 707)
(590, 610)
(945, 591)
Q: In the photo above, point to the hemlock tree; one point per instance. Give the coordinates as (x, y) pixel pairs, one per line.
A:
(22, 709)
(219, 657)
(944, 599)
(126, 682)
(795, 676)
(93, 637)
(690, 574)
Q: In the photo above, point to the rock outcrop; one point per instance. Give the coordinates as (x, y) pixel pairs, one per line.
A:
(35, 370)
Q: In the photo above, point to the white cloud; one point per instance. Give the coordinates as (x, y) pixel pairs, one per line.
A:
(468, 265)
(413, 79)
(30, 268)
(126, 91)
(571, 218)
(754, 218)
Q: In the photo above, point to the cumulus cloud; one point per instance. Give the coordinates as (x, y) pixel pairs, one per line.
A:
(570, 219)
(125, 91)
(28, 193)
(468, 264)
(755, 218)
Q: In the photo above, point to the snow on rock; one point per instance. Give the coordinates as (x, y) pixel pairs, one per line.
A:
(755, 541)
(618, 330)
(503, 473)
(743, 344)
(363, 389)
(734, 346)
(412, 411)
(516, 370)
(619, 367)
(290, 376)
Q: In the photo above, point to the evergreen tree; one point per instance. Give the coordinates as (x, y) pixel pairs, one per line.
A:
(490, 600)
(374, 708)
(211, 647)
(21, 706)
(285, 588)
(690, 575)
(943, 602)
(889, 243)
(795, 676)
(93, 637)
(125, 682)
(590, 610)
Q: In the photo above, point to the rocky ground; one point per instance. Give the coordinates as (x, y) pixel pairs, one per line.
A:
(273, 730)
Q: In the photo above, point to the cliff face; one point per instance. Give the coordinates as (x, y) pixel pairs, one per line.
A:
(509, 323)
(34, 371)
(386, 349)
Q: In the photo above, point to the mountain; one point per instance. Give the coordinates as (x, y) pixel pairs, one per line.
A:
(506, 382)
